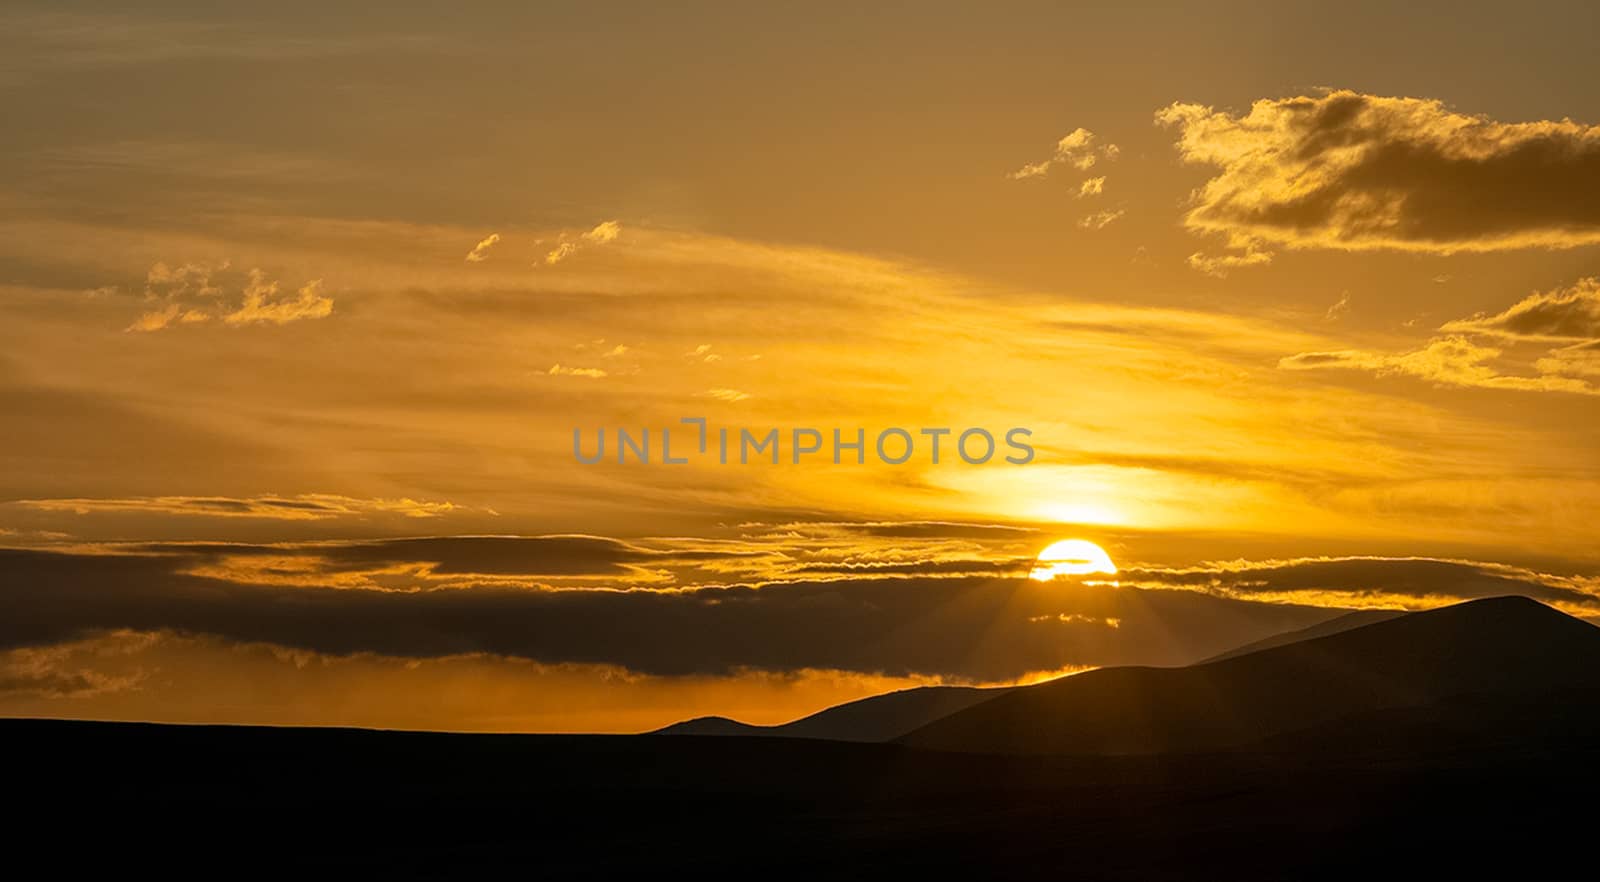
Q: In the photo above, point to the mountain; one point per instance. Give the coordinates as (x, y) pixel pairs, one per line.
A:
(1508, 647)
(720, 726)
(1357, 619)
(878, 718)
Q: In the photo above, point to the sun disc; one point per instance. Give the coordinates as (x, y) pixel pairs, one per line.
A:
(1071, 557)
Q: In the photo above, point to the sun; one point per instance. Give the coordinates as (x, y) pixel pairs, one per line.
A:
(1072, 557)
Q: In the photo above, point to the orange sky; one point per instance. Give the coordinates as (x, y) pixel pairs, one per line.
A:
(301, 309)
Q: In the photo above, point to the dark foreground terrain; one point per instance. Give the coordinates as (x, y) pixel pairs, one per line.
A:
(182, 800)
(1464, 742)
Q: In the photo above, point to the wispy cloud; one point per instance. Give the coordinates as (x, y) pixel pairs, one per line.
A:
(1100, 219)
(1565, 315)
(559, 370)
(1446, 361)
(1078, 149)
(302, 507)
(480, 251)
(1219, 265)
(1467, 351)
(193, 294)
(1339, 308)
(264, 305)
(602, 234)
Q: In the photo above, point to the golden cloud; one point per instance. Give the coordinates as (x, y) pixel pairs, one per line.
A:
(1353, 171)
(1100, 219)
(1466, 352)
(193, 293)
(1077, 149)
(1445, 361)
(480, 251)
(602, 234)
(302, 507)
(1571, 313)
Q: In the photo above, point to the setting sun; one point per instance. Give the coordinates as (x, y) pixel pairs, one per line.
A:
(716, 418)
(1071, 557)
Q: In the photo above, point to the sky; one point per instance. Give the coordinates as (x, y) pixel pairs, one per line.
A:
(301, 308)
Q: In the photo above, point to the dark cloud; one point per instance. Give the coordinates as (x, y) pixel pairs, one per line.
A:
(530, 556)
(1352, 577)
(1013, 567)
(983, 628)
(976, 627)
(499, 555)
(1569, 314)
(1354, 171)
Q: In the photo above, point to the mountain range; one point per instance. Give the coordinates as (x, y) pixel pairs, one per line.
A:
(1467, 667)
(1460, 741)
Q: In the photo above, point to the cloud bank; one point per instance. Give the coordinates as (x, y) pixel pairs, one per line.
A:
(438, 597)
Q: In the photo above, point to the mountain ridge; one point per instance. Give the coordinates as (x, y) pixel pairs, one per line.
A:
(875, 718)
(1505, 645)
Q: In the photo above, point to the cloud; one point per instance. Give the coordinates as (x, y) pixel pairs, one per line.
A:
(445, 602)
(1568, 314)
(725, 394)
(441, 557)
(1219, 265)
(561, 252)
(303, 507)
(1446, 361)
(69, 670)
(263, 305)
(1100, 219)
(1467, 351)
(1582, 360)
(1366, 582)
(1338, 309)
(480, 251)
(558, 370)
(1076, 149)
(1353, 171)
(1092, 187)
(194, 293)
(603, 234)
(973, 628)
(201, 679)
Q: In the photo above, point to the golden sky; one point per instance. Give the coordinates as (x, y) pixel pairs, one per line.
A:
(300, 308)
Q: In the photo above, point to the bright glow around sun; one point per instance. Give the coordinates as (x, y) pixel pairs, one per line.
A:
(1081, 513)
(1072, 557)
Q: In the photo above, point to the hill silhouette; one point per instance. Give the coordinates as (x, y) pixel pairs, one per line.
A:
(1509, 646)
(1357, 619)
(1451, 742)
(877, 718)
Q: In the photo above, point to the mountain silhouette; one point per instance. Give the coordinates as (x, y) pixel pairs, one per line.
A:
(1475, 728)
(1508, 647)
(1356, 619)
(888, 716)
(878, 718)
